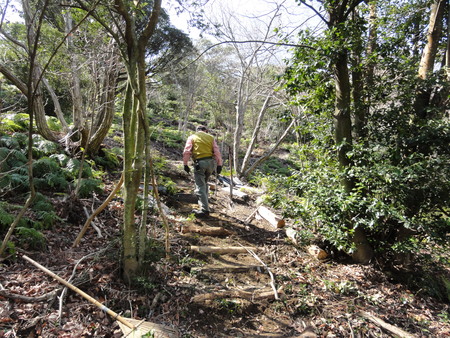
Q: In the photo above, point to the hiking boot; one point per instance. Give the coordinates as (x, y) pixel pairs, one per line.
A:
(201, 214)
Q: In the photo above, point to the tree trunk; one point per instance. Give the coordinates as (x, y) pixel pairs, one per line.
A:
(429, 55)
(342, 119)
(104, 119)
(36, 77)
(136, 131)
(261, 115)
(77, 99)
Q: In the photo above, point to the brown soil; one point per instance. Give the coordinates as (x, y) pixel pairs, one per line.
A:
(320, 298)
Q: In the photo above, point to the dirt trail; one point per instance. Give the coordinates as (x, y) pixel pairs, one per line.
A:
(235, 290)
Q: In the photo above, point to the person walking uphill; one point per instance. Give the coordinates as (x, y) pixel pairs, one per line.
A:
(203, 149)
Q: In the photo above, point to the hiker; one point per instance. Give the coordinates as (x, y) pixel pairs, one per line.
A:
(203, 149)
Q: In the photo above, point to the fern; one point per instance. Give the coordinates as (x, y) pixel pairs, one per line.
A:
(6, 219)
(89, 186)
(44, 166)
(62, 159)
(11, 158)
(30, 237)
(22, 120)
(73, 166)
(22, 139)
(42, 147)
(53, 123)
(8, 142)
(48, 175)
(41, 203)
(8, 125)
(51, 181)
(47, 219)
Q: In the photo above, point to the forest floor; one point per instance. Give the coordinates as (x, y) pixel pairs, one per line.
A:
(209, 294)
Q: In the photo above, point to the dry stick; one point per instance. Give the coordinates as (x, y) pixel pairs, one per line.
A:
(230, 160)
(85, 295)
(99, 209)
(251, 215)
(160, 208)
(272, 279)
(96, 228)
(391, 328)
(62, 295)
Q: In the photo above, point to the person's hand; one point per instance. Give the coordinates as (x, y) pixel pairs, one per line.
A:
(187, 169)
(219, 169)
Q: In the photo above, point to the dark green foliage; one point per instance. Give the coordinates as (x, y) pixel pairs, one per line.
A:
(42, 147)
(89, 186)
(8, 142)
(6, 219)
(107, 159)
(48, 175)
(30, 238)
(13, 170)
(62, 159)
(23, 120)
(42, 203)
(7, 124)
(72, 169)
(170, 137)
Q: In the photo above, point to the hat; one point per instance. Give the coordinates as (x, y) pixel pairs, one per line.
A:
(201, 128)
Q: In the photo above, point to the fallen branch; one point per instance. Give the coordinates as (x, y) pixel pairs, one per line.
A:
(272, 279)
(207, 231)
(250, 296)
(391, 328)
(26, 299)
(96, 212)
(96, 228)
(220, 250)
(227, 268)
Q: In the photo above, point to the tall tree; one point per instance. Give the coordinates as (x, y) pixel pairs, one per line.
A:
(132, 25)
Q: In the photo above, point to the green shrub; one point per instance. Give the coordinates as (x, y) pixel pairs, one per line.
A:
(6, 219)
(48, 175)
(43, 147)
(42, 203)
(89, 186)
(62, 159)
(22, 139)
(8, 142)
(107, 159)
(7, 124)
(23, 120)
(53, 123)
(47, 219)
(31, 238)
(73, 166)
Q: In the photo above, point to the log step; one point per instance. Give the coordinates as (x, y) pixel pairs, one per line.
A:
(221, 250)
(228, 268)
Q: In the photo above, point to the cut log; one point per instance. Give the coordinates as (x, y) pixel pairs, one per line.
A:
(228, 268)
(148, 329)
(207, 231)
(292, 235)
(221, 250)
(317, 252)
(237, 193)
(391, 328)
(270, 217)
(251, 296)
